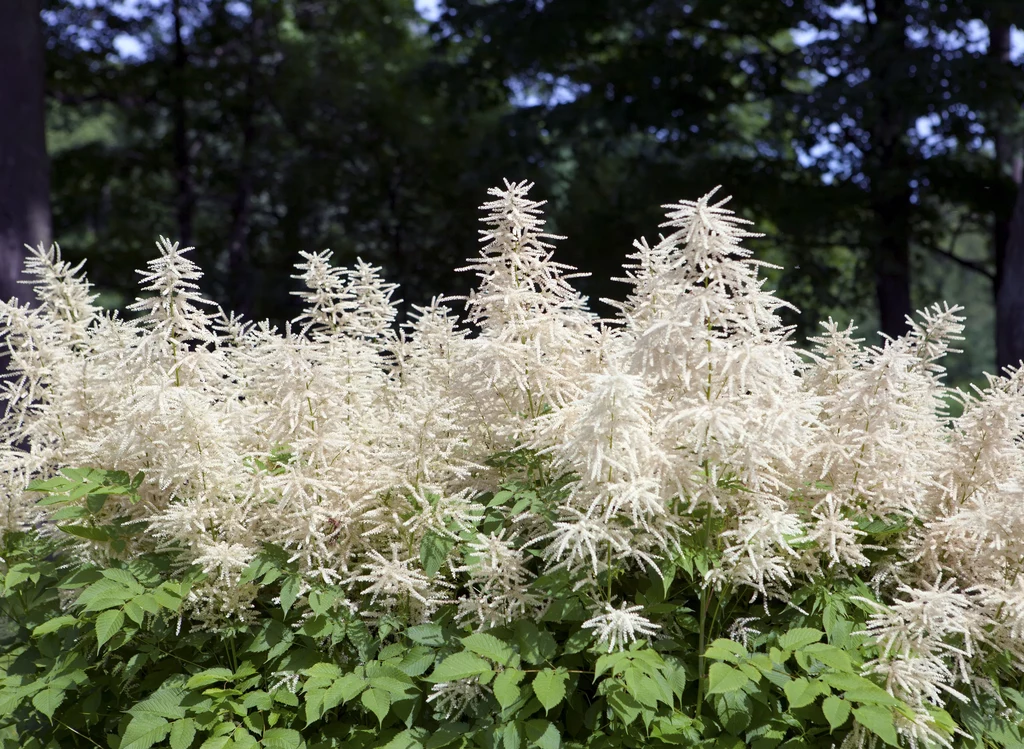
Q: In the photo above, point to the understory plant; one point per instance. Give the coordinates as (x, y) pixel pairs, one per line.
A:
(524, 527)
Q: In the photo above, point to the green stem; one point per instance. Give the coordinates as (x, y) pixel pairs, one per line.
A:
(701, 634)
(87, 738)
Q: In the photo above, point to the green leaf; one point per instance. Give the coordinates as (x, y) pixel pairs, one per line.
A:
(446, 734)
(410, 738)
(282, 738)
(47, 701)
(99, 535)
(506, 686)
(182, 733)
(426, 634)
(348, 687)
(549, 687)
(434, 550)
(55, 484)
(801, 692)
(725, 650)
(836, 710)
(646, 689)
(53, 625)
(53, 499)
(378, 702)
(489, 646)
(208, 677)
(168, 596)
(535, 645)
(879, 721)
(512, 735)
(734, 711)
(830, 655)
(144, 731)
(165, 702)
(125, 578)
(459, 666)
(543, 734)
(723, 678)
(290, 591)
(108, 624)
(800, 637)
(859, 689)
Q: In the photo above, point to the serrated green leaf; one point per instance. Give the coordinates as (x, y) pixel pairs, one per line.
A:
(506, 686)
(377, 701)
(54, 484)
(543, 734)
(446, 734)
(512, 735)
(434, 550)
(830, 655)
(124, 578)
(489, 646)
(549, 687)
(348, 687)
(535, 645)
(165, 702)
(144, 731)
(74, 512)
(417, 661)
(723, 678)
(290, 591)
(168, 597)
(859, 689)
(426, 634)
(281, 738)
(799, 637)
(459, 666)
(802, 692)
(725, 650)
(410, 738)
(48, 700)
(878, 720)
(208, 677)
(836, 710)
(53, 625)
(734, 711)
(108, 624)
(100, 535)
(324, 670)
(183, 732)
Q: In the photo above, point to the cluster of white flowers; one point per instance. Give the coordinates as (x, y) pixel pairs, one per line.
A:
(691, 404)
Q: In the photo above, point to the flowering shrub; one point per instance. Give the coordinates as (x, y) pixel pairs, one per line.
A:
(537, 529)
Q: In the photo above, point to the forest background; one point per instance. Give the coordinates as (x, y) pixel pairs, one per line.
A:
(877, 144)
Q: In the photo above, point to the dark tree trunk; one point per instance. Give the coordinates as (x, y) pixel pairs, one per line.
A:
(185, 199)
(24, 166)
(1010, 296)
(240, 271)
(1007, 229)
(887, 167)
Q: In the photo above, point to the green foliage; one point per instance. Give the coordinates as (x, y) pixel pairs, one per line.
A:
(103, 655)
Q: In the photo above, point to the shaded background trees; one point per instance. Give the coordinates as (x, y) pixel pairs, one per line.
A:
(877, 143)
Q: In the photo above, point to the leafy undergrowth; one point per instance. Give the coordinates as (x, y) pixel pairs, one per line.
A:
(101, 655)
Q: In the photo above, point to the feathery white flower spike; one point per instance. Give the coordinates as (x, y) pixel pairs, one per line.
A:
(618, 627)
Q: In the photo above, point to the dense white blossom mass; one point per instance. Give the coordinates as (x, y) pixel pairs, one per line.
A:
(691, 403)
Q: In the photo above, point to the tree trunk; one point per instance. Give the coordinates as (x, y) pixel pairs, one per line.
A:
(1010, 296)
(182, 150)
(1009, 272)
(888, 170)
(240, 270)
(24, 166)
